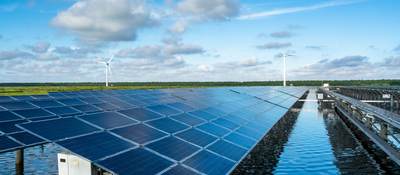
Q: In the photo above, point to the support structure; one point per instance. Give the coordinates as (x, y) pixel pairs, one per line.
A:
(19, 162)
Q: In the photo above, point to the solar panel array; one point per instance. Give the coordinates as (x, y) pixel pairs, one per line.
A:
(171, 131)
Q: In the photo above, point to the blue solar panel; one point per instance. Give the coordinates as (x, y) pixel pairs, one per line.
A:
(137, 161)
(96, 146)
(228, 150)
(63, 111)
(27, 138)
(33, 113)
(209, 163)
(173, 148)
(165, 110)
(6, 99)
(179, 170)
(59, 128)
(139, 133)
(71, 102)
(140, 114)
(197, 137)
(107, 120)
(44, 118)
(23, 97)
(7, 144)
(249, 132)
(188, 119)
(86, 108)
(8, 116)
(203, 114)
(181, 106)
(16, 105)
(106, 106)
(240, 140)
(47, 103)
(213, 129)
(91, 100)
(226, 123)
(9, 127)
(167, 125)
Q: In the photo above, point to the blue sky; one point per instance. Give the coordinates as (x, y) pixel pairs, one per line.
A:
(197, 40)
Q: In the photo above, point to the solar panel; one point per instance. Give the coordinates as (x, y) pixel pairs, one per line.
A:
(173, 148)
(8, 116)
(7, 144)
(96, 146)
(167, 125)
(47, 103)
(228, 150)
(71, 102)
(179, 170)
(213, 129)
(174, 131)
(139, 133)
(163, 109)
(137, 161)
(107, 120)
(16, 105)
(203, 114)
(209, 163)
(9, 127)
(27, 139)
(140, 114)
(6, 99)
(86, 108)
(188, 119)
(33, 113)
(226, 123)
(59, 128)
(197, 137)
(240, 140)
(63, 111)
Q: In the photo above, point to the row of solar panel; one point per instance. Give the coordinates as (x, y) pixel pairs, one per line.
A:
(203, 134)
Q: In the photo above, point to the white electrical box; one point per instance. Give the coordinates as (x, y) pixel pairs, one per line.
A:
(320, 96)
(69, 164)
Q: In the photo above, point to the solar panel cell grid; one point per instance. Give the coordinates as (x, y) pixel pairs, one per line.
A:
(27, 138)
(63, 111)
(140, 114)
(228, 150)
(213, 129)
(179, 170)
(96, 146)
(33, 113)
(137, 161)
(107, 120)
(59, 128)
(188, 119)
(209, 163)
(8, 144)
(167, 125)
(8, 116)
(9, 127)
(47, 103)
(173, 148)
(71, 102)
(197, 137)
(16, 105)
(240, 140)
(139, 133)
(203, 114)
(163, 109)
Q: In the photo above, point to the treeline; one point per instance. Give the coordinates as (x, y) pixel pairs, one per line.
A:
(205, 84)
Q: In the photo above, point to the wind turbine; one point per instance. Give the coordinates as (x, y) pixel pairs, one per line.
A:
(284, 55)
(108, 68)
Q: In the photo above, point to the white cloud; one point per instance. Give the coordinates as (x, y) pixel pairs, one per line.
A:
(14, 54)
(290, 10)
(210, 9)
(105, 20)
(40, 47)
(275, 45)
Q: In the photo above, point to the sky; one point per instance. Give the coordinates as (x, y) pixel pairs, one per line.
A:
(198, 40)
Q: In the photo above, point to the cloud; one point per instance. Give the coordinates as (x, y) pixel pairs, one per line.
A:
(210, 9)
(75, 52)
(281, 34)
(14, 54)
(105, 20)
(205, 68)
(397, 49)
(194, 11)
(290, 10)
(393, 62)
(169, 49)
(275, 45)
(314, 47)
(40, 47)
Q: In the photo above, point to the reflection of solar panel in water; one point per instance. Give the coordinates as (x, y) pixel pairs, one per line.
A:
(173, 131)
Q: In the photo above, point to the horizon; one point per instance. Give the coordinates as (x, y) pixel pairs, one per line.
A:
(197, 41)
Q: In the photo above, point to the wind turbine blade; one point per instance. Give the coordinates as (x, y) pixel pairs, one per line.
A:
(109, 69)
(112, 57)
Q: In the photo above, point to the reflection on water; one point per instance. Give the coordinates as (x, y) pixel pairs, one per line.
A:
(38, 160)
(320, 143)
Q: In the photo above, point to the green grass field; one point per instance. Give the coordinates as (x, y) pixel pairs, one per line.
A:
(44, 88)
